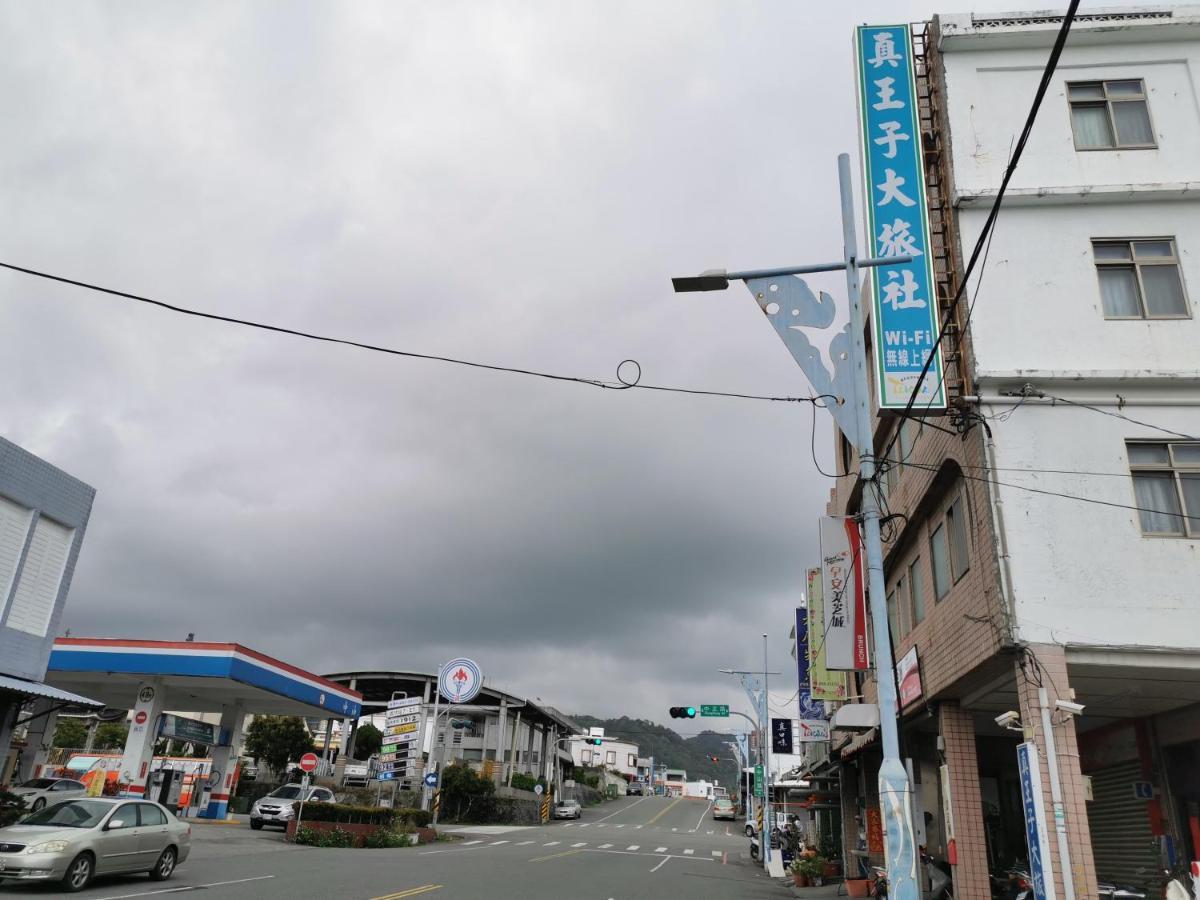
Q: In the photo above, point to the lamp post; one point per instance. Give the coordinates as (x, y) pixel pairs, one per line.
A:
(894, 788)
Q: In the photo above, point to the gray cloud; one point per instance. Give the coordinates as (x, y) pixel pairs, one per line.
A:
(509, 182)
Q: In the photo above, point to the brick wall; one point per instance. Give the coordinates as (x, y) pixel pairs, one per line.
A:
(971, 873)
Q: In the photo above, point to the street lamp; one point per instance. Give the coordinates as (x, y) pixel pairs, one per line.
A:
(853, 415)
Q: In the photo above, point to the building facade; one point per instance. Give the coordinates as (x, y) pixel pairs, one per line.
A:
(613, 754)
(43, 517)
(1043, 555)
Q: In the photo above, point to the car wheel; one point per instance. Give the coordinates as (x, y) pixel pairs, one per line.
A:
(165, 866)
(256, 824)
(79, 873)
(39, 803)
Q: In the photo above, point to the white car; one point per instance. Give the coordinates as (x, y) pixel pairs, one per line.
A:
(567, 809)
(276, 808)
(40, 792)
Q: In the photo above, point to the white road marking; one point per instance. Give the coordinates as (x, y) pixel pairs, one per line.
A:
(661, 864)
(469, 843)
(636, 827)
(605, 846)
(600, 825)
(621, 810)
(584, 824)
(580, 844)
(634, 847)
(688, 852)
(660, 849)
(674, 829)
(523, 843)
(619, 826)
(717, 854)
(709, 831)
(568, 824)
(180, 890)
(496, 843)
(552, 844)
(702, 815)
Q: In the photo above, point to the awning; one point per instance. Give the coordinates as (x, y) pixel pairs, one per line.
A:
(859, 742)
(37, 689)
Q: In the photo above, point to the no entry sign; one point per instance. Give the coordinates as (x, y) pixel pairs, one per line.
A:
(308, 762)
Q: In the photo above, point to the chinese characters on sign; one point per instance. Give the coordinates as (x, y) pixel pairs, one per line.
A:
(826, 685)
(781, 735)
(1035, 821)
(843, 595)
(810, 708)
(904, 299)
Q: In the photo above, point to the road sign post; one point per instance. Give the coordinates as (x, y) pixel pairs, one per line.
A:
(714, 710)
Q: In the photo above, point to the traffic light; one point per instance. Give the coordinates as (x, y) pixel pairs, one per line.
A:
(714, 760)
(595, 741)
(683, 712)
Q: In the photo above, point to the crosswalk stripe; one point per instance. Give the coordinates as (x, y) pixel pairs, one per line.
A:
(633, 847)
(496, 843)
(469, 843)
(580, 844)
(688, 852)
(636, 827)
(605, 846)
(709, 831)
(599, 824)
(584, 824)
(660, 849)
(568, 824)
(717, 854)
(523, 843)
(618, 826)
(552, 844)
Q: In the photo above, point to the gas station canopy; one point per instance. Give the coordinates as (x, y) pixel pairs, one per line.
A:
(197, 676)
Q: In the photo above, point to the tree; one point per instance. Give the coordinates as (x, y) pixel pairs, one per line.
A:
(277, 740)
(111, 736)
(368, 741)
(70, 733)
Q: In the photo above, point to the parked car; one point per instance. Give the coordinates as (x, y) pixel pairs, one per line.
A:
(40, 792)
(567, 809)
(635, 789)
(723, 808)
(276, 808)
(73, 841)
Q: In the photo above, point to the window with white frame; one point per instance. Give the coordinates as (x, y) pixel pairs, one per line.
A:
(1110, 115)
(632, 761)
(611, 757)
(917, 588)
(1166, 483)
(1140, 279)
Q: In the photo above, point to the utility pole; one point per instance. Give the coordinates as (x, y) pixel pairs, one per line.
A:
(853, 391)
(764, 839)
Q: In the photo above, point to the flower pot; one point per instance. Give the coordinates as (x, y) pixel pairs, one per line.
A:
(832, 869)
(799, 880)
(858, 887)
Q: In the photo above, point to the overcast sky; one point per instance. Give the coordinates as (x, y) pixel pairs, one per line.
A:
(512, 183)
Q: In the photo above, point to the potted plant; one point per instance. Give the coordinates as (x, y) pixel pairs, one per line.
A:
(799, 872)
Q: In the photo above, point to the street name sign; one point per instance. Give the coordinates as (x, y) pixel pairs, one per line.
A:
(714, 709)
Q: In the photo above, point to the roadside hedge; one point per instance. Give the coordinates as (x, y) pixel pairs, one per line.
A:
(350, 814)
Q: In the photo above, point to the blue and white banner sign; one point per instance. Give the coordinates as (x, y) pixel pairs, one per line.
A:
(1035, 821)
(904, 295)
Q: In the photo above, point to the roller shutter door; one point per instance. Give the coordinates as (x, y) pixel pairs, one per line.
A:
(1124, 849)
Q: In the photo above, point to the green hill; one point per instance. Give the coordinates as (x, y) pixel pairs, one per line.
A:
(672, 750)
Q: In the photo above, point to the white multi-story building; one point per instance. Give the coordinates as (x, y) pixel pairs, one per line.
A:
(1048, 536)
(612, 753)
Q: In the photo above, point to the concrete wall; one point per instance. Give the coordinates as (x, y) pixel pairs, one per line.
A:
(46, 492)
(1082, 572)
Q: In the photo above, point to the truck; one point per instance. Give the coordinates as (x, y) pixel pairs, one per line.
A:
(358, 772)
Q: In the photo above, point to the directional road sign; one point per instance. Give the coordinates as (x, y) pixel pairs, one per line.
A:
(431, 779)
(714, 709)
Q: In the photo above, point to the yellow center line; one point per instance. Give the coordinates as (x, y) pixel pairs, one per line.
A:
(410, 892)
(555, 855)
(665, 810)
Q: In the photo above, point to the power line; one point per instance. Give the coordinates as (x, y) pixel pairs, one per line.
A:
(622, 383)
(1034, 490)
(981, 242)
(1117, 415)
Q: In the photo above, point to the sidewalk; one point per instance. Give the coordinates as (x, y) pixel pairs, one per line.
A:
(824, 892)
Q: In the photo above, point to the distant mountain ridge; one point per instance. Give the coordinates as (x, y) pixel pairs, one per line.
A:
(670, 749)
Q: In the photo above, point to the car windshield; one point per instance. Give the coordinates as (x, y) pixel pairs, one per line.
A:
(287, 792)
(71, 814)
(38, 783)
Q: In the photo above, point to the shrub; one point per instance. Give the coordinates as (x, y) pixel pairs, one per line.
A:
(385, 838)
(320, 838)
(418, 818)
(526, 782)
(344, 812)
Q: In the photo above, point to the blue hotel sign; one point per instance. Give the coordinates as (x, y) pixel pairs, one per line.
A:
(904, 298)
(1035, 821)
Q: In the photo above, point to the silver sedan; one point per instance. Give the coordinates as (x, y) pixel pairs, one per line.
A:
(75, 840)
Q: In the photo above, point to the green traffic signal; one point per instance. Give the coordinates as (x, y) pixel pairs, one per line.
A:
(691, 712)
